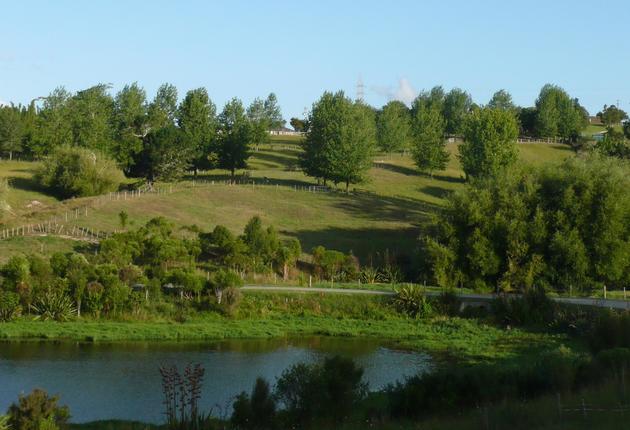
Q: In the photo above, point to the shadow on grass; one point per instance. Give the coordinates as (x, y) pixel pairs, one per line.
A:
(435, 191)
(403, 170)
(243, 180)
(363, 242)
(375, 207)
(276, 158)
(31, 185)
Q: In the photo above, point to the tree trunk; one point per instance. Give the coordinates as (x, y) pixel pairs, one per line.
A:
(285, 272)
(10, 155)
(347, 187)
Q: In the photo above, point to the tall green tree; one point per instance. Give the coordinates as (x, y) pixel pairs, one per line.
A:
(340, 140)
(165, 155)
(457, 104)
(234, 137)
(54, 123)
(162, 111)
(428, 133)
(130, 118)
(11, 130)
(558, 115)
(91, 113)
(273, 112)
(489, 142)
(260, 124)
(502, 100)
(393, 127)
(197, 119)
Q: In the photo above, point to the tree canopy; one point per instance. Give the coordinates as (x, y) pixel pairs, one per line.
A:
(553, 227)
(393, 127)
(489, 142)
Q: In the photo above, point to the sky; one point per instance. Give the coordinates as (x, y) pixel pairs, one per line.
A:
(299, 49)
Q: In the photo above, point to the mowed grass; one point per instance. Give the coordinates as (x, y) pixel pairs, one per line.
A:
(386, 212)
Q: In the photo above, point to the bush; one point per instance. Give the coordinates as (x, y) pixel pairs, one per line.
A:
(79, 172)
(36, 411)
(328, 390)
(257, 411)
(410, 299)
(54, 306)
(10, 307)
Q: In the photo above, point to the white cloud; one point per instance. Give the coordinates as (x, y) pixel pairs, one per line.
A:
(405, 92)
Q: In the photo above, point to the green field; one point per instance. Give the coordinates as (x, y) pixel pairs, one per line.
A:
(387, 212)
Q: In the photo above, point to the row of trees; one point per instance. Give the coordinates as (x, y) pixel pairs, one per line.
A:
(144, 137)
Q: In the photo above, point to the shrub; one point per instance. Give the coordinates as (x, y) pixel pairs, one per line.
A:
(54, 306)
(79, 172)
(37, 410)
(10, 307)
(410, 299)
(330, 389)
(257, 411)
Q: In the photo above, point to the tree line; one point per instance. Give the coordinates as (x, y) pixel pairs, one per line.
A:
(155, 138)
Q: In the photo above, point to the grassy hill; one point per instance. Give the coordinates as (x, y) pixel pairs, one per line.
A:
(385, 213)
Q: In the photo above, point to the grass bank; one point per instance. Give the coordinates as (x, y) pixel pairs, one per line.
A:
(263, 315)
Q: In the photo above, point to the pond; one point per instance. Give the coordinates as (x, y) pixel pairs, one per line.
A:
(121, 380)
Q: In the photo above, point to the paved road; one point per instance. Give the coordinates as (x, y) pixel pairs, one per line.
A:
(602, 303)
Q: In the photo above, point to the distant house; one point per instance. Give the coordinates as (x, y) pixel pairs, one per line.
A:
(595, 120)
(599, 136)
(284, 131)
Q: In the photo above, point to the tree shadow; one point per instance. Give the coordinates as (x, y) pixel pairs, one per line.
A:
(28, 184)
(240, 179)
(403, 170)
(364, 243)
(276, 158)
(367, 205)
(435, 191)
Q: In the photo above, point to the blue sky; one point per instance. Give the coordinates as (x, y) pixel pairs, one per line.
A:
(300, 49)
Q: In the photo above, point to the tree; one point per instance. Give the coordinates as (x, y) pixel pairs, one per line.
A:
(165, 155)
(272, 112)
(257, 411)
(234, 137)
(53, 124)
(393, 127)
(527, 121)
(130, 117)
(626, 129)
(196, 119)
(502, 100)
(340, 140)
(298, 124)
(428, 129)
(612, 115)
(557, 115)
(91, 117)
(489, 142)
(553, 226)
(79, 172)
(287, 256)
(11, 130)
(259, 122)
(162, 111)
(457, 104)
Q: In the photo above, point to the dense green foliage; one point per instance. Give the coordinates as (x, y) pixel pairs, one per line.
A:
(428, 129)
(340, 140)
(557, 115)
(393, 127)
(555, 227)
(79, 172)
(489, 142)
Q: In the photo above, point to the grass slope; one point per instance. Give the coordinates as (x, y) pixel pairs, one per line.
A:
(387, 212)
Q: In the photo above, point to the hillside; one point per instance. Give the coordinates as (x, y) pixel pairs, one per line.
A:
(385, 213)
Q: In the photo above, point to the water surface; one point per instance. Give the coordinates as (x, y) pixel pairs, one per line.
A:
(121, 380)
